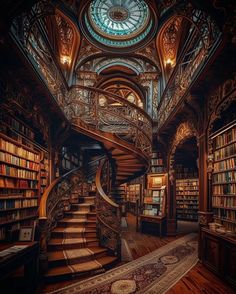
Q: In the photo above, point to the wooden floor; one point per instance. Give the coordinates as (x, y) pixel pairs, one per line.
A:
(197, 280)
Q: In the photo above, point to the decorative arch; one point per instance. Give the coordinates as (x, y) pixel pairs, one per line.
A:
(185, 130)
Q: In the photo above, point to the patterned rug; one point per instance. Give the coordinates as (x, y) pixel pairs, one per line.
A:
(153, 273)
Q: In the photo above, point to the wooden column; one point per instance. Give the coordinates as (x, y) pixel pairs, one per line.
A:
(205, 213)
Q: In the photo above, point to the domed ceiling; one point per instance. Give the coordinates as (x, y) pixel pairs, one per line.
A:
(118, 23)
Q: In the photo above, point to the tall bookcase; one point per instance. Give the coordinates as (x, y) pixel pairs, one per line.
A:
(224, 178)
(187, 193)
(23, 174)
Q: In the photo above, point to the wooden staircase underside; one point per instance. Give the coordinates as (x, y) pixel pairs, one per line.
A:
(130, 162)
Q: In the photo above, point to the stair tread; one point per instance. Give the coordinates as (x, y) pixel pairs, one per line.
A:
(80, 212)
(74, 230)
(76, 220)
(72, 241)
(81, 267)
(74, 253)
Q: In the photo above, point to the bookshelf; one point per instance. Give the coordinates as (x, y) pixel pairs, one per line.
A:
(154, 204)
(224, 178)
(70, 160)
(157, 165)
(187, 192)
(133, 195)
(23, 174)
(154, 198)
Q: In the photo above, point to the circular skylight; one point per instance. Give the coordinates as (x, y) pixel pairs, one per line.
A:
(118, 18)
(118, 23)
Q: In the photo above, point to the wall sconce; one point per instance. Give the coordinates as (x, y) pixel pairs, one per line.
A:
(169, 63)
(65, 59)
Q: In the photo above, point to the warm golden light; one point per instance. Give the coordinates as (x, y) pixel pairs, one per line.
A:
(169, 62)
(65, 60)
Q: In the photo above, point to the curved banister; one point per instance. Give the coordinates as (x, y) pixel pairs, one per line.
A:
(117, 115)
(100, 189)
(108, 214)
(115, 96)
(44, 199)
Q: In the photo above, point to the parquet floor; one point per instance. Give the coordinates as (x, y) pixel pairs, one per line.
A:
(197, 281)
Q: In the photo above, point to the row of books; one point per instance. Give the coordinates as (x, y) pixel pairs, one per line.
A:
(9, 158)
(17, 183)
(16, 125)
(157, 169)
(186, 206)
(14, 193)
(17, 172)
(225, 138)
(3, 230)
(156, 155)
(186, 175)
(155, 199)
(17, 215)
(224, 189)
(229, 163)
(186, 192)
(151, 211)
(22, 203)
(12, 148)
(157, 161)
(225, 152)
(225, 213)
(224, 201)
(187, 216)
(187, 210)
(228, 176)
(190, 200)
(187, 183)
(229, 226)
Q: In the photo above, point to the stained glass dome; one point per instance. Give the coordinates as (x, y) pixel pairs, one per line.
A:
(118, 23)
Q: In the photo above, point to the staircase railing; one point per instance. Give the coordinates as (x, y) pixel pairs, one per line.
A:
(108, 112)
(108, 212)
(54, 202)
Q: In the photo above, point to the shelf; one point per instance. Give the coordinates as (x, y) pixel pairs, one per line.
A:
(18, 188)
(19, 208)
(16, 198)
(222, 159)
(18, 178)
(225, 219)
(223, 183)
(18, 220)
(224, 207)
(5, 137)
(152, 203)
(223, 171)
(21, 167)
(225, 145)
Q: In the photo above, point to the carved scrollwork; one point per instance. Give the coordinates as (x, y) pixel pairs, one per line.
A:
(184, 131)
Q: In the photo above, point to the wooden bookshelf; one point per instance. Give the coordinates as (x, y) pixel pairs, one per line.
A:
(224, 178)
(154, 198)
(187, 194)
(156, 165)
(154, 204)
(23, 173)
(133, 196)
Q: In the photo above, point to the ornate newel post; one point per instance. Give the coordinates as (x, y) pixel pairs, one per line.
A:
(43, 257)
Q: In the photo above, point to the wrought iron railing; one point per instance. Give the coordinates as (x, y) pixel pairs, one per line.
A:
(107, 112)
(108, 212)
(203, 40)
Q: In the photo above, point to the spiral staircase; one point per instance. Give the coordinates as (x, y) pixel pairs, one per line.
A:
(84, 239)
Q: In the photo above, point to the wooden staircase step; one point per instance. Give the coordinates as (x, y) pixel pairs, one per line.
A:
(73, 232)
(73, 256)
(61, 243)
(81, 214)
(84, 269)
(124, 173)
(76, 222)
